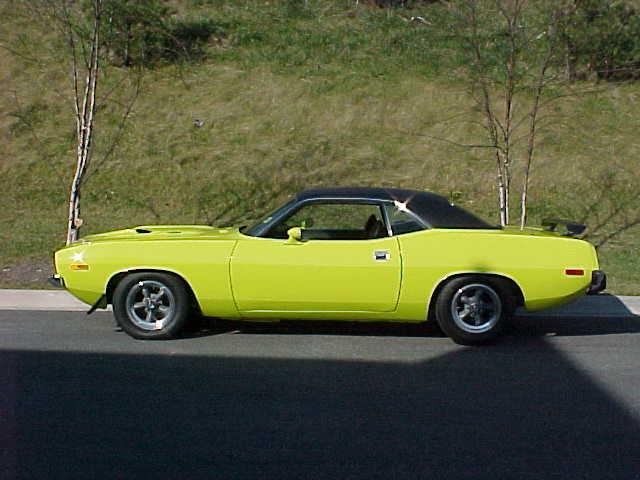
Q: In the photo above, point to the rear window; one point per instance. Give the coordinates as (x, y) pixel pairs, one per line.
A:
(439, 213)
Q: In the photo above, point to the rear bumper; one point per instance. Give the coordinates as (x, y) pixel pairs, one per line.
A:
(598, 282)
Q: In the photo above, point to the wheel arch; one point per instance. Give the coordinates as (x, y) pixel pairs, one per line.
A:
(513, 286)
(117, 277)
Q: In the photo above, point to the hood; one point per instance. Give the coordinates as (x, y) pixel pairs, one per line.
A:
(166, 232)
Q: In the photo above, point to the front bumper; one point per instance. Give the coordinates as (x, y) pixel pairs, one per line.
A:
(56, 281)
(598, 282)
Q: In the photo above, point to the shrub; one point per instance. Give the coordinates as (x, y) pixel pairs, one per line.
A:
(603, 38)
(143, 32)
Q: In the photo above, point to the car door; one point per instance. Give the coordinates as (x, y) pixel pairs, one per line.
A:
(346, 262)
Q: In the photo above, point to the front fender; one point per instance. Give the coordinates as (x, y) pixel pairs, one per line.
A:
(202, 264)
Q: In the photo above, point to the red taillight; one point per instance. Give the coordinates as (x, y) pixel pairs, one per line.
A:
(578, 272)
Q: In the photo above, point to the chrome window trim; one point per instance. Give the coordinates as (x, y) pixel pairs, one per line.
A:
(329, 200)
(387, 220)
(366, 200)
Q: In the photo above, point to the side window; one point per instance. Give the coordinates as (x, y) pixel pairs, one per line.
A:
(401, 221)
(334, 221)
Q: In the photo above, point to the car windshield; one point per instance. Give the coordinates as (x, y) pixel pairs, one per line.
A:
(254, 229)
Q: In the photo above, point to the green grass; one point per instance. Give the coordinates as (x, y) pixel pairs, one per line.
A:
(623, 270)
(291, 99)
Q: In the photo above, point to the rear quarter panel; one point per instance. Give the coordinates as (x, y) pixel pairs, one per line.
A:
(535, 263)
(203, 264)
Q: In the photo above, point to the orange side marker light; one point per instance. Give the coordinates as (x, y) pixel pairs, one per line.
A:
(79, 266)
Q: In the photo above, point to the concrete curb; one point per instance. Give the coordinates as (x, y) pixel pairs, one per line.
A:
(589, 306)
(48, 300)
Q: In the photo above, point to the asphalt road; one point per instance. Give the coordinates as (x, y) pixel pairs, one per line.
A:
(556, 398)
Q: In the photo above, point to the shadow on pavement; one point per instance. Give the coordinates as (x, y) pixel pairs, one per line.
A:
(582, 317)
(582, 326)
(212, 326)
(502, 412)
(621, 320)
(599, 305)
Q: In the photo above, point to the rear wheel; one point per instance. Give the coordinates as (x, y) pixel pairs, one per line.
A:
(473, 309)
(151, 305)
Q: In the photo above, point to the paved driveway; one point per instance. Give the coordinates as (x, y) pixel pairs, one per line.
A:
(557, 398)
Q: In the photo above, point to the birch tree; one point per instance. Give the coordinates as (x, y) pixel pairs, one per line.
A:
(76, 30)
(87, 71)
(510, 46)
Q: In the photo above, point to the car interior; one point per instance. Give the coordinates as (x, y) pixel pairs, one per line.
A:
(339, 228)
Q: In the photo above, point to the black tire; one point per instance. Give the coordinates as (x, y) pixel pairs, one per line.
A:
(151, 305)
(474, 320)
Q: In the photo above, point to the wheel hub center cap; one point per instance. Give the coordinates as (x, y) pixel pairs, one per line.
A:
(476, 308)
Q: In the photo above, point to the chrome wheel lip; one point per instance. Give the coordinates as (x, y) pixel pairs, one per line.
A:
(150, 305)
(476, 308)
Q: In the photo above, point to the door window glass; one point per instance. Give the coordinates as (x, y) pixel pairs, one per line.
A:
(334, 221)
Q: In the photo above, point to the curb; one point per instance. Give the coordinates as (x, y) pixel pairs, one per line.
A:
(46, 300)
(588, 306)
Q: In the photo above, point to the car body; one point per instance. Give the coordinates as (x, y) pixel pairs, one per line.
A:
(360, 254)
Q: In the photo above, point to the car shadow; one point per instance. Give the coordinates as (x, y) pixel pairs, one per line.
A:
(588, 306)
(462, 414)
(583, 317)
(601, 314)
(574, 326)
(213, 326)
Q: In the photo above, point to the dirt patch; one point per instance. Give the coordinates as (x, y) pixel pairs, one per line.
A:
(26, 274)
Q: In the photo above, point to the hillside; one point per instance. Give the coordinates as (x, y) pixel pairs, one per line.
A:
(288, 98)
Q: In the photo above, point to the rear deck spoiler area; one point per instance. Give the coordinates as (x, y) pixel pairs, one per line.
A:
(571, 228)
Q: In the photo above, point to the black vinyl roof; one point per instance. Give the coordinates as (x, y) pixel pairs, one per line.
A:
(435, 210)
(373, 193)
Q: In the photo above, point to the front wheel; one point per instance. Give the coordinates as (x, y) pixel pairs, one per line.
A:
(473, 310)
(151, 305)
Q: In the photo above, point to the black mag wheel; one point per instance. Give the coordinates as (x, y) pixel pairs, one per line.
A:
(473, 310)
(151, 305)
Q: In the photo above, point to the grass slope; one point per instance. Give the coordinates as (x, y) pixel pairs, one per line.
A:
(290, 98)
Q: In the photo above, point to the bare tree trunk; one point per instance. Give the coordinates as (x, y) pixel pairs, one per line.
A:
(533, 117)
(527, 169)
(492, 124)
(531, 144)
(503, 190)
(512, 19)
(84, 116)
(521, 38)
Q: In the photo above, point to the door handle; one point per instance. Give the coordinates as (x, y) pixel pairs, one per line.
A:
(381, 255)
